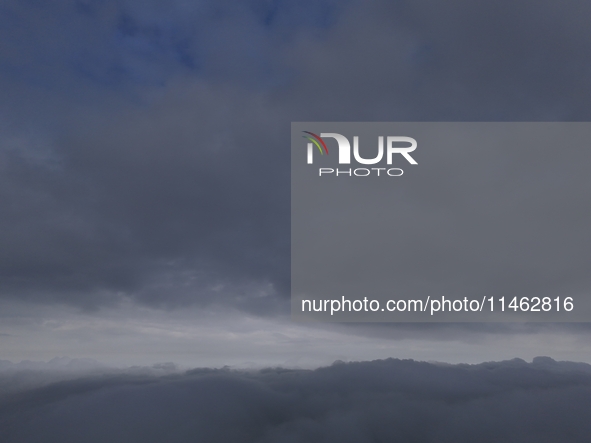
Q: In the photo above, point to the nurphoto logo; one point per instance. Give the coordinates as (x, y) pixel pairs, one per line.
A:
(394, 145)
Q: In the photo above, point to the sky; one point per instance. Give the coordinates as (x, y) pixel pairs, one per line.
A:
(145, 220)
(145, 169)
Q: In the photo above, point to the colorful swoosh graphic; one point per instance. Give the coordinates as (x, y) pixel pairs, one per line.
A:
(315, 140)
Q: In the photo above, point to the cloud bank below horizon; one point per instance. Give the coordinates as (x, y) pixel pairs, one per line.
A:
(378, 401)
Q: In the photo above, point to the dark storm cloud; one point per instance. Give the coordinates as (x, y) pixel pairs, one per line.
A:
(180, 190)
(177, 191)
(466, 61)
(127, 45)
(387, 400)
(161, 200)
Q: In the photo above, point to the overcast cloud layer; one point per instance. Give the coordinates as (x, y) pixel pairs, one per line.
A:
(145, 148)
(379, 401)
(145, 225)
